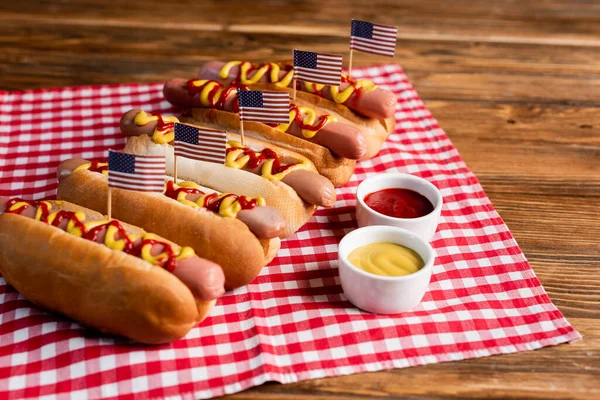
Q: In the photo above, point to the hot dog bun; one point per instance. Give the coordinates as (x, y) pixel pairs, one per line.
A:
(376, 130)
(224, 179)
(225, 241)
(338, 170)
(367, 106)
(105, 289)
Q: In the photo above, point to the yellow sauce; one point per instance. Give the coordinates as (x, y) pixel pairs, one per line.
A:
(258, 73)
(273, 69)
(386, 259)
(112, 232)
(159, 136)
(238, 159)
(229, 207)
(310, 117)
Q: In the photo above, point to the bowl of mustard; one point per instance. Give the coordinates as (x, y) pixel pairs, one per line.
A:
(385, 269)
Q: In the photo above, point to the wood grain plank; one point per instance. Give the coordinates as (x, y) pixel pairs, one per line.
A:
(67, 56)
(558, 22)
(552, 142)
(179, 44)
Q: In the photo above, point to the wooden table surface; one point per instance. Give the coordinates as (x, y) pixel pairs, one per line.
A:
(515, 84)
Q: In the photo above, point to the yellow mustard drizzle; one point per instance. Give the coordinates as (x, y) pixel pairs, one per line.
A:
(238, 160)
(245, 66)
(310, 117)
(229, 207)
(205, 94)
(386, 259)
(344, 95)
(110, 239)
(338, 97)
(159, 259)
(89, 165)
(159, 136)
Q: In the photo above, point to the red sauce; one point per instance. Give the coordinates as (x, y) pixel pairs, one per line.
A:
(173, 193)
(164, 126)
(95, 167)
(399, 203)
(302, 125)
(265, 154)
(357, 91)
(194, 90)
(215, 203)
(247, 204)
(29, 203)
(171, 260)
(212, 200)
(63, 214)
(93, 233)
(220, 104)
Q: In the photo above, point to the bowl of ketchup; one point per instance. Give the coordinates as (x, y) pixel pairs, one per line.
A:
(401, 200)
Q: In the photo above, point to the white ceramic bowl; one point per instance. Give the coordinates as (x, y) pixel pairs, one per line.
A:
(424, 226)
(384, 294)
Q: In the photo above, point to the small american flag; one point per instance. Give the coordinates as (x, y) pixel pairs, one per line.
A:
(373, 38)
(322, 68)
(265, 107)
(202, 144)
(131, 172)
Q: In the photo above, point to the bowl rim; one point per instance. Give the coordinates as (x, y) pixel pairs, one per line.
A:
(359, 231)
(397, 175)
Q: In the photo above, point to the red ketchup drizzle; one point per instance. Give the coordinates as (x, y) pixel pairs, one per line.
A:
(169, 263)
(265, 154)
(233, 86)
(399, 203)
(63, 214)
(164, 126)
(357, 91)
(213, 204)
(173, 193)
(95, 167)
(93, 233)
(30, 203)
(220, 104)
(212, 201)
(301, 123)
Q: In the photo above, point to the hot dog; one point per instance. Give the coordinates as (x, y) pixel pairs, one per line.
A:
(337, 169)
(311, 187)
(106, 274)
(359, 103)
(238, 233)
(343, 139)
(287, 181)
(361, 96)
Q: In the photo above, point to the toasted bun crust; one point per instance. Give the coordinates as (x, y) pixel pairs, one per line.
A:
(225, 241)
(108, 290)
(337, 169)
(224, 179)
(377, 130)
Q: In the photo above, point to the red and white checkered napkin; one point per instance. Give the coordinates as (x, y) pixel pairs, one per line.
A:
(293, 322)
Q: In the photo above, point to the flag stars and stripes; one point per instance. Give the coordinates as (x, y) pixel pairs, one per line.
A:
(266, 107)
(373, 38)
(202, 144)
(325, 69)
(140, 173)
